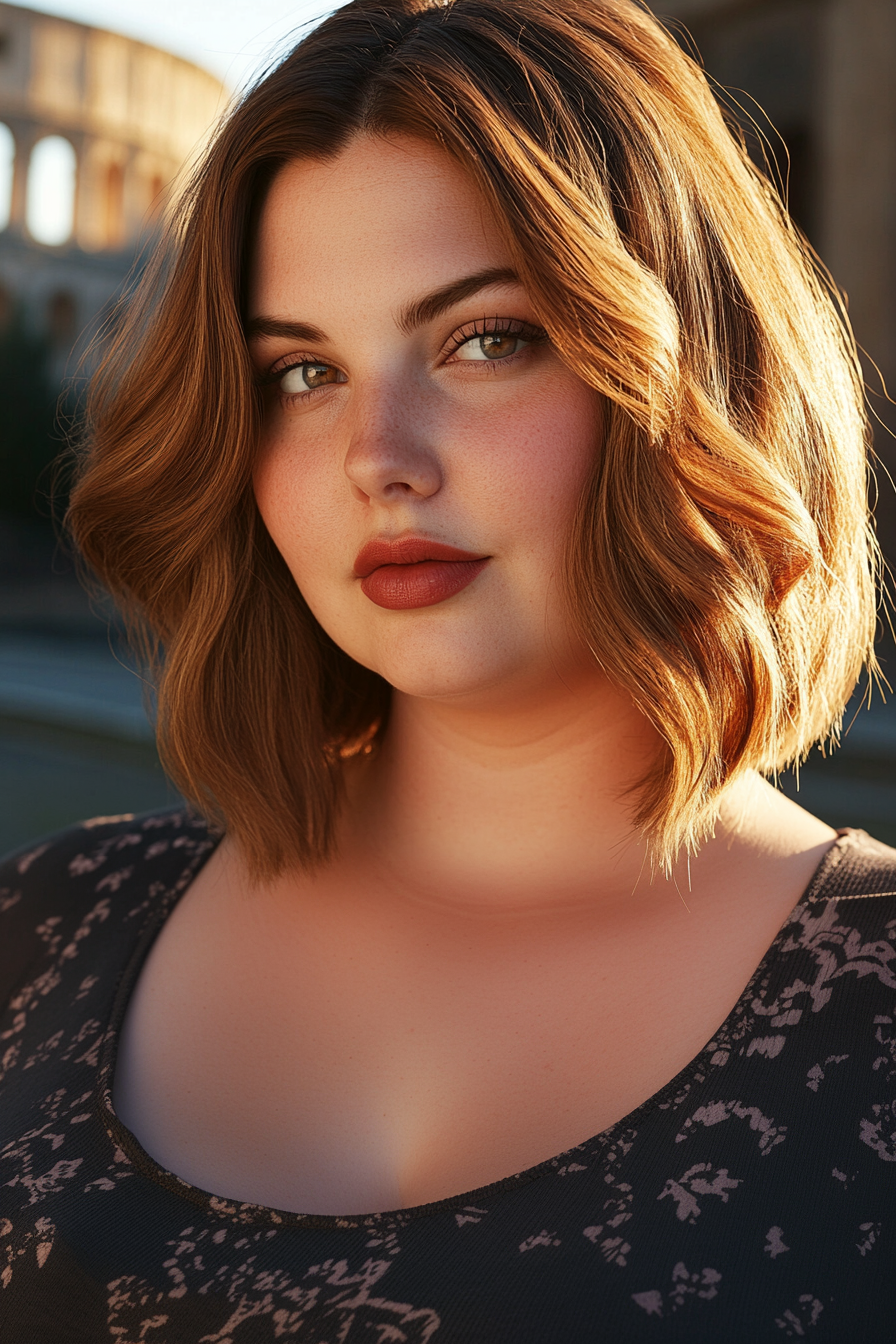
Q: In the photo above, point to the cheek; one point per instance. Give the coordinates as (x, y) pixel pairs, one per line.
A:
(296, 499)
(536, 461)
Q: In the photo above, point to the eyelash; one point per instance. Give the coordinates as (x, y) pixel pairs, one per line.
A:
(493, 326)
(490, 326)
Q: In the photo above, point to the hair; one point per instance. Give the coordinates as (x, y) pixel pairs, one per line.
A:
(720, 568)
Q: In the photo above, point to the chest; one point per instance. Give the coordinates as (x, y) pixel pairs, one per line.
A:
(349, 1069)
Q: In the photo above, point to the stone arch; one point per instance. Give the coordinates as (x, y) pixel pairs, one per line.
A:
(113, 192)
(7, 172)
(51, 188)
(158, 193)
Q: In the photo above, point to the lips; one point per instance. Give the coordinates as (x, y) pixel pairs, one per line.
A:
(407, 572)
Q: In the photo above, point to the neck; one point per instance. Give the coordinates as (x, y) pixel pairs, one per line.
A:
(479, 802)
(527, 811)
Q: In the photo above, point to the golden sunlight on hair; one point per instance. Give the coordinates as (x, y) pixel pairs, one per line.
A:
(721, 568)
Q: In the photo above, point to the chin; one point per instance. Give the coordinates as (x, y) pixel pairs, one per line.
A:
(436, 684)
(436, 669)
(438, 652)
(441, 678)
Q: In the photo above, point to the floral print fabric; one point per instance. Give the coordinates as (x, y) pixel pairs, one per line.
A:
(752, 1199)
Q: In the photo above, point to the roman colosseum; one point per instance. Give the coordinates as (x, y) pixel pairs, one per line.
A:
(94, 130)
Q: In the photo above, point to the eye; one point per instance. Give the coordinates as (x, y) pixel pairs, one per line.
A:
(307, 376)
(490, 345)
(491, 340)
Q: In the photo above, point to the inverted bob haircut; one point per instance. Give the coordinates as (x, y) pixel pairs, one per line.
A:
(720, 567)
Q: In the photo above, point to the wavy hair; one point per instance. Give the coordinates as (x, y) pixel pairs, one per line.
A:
(721, 567)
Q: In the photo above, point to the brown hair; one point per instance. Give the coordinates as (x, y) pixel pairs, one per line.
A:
(720, 568)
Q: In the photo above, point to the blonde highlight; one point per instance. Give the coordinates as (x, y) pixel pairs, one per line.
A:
(721, 567)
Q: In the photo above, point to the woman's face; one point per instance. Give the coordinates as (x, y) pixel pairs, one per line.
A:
(424, 447)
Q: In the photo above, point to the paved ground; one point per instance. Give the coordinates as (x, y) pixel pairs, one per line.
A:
(51, 777)
(75, 742)
(73, 681)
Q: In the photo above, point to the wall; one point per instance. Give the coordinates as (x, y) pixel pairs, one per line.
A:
(825, 73)
(134, 117)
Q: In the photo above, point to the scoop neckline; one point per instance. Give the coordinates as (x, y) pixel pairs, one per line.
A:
(248, 1213)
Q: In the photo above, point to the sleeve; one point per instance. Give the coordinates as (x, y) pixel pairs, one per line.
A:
(21, 916)
(39, 895)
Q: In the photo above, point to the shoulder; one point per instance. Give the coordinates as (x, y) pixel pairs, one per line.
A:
(50, 887)
(858, 869)
(846, 921)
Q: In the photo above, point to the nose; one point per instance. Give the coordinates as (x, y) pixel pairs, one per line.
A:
(391, 457)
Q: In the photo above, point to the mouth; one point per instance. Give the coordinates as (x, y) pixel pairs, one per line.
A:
(407, 572)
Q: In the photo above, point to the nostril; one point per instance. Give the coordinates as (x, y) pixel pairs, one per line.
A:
(381, 467)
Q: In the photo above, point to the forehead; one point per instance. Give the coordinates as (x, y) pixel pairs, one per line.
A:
(394, 215)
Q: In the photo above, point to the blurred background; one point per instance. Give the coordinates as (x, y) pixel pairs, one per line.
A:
(103, 106)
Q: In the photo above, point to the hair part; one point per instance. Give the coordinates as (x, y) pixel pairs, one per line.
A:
(721, 568)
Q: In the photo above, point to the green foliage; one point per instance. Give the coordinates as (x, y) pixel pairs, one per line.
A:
(29, 437)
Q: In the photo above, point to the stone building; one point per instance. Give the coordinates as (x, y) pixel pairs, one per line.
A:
(824, 74)
(94, 129)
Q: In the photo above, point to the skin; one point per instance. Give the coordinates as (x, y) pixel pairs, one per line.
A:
(485, 975)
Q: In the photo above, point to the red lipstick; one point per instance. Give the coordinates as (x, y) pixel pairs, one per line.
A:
(410, 572)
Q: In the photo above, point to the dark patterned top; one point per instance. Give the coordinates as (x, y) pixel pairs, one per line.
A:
(751, 1199)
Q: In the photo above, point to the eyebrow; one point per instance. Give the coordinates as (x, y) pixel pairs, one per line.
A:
(412, 315)
(423, 310)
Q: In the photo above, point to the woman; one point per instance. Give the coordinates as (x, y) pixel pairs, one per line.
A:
(488, 458)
